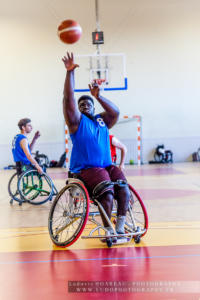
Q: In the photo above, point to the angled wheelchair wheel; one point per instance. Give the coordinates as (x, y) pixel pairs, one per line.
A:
(136, 217)
(168, 156)
(159, 157)
(13, 190)
(34, 187)
(68, 214)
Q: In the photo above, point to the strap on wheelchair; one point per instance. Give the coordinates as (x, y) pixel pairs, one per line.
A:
(102, 187)
(105, 186)
(121, 183)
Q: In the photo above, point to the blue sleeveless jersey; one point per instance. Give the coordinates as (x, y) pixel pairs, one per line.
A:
(91, 146)
(17, 151)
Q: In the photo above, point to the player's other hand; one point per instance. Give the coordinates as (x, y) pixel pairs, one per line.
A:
(37, 135)
(94, 89)
(122, 167)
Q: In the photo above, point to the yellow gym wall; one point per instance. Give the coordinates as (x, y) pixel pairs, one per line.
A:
(161, 40)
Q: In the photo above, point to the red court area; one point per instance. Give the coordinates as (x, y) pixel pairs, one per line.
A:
(170, 272)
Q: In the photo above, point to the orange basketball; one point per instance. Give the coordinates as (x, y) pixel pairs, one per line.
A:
(69, 31)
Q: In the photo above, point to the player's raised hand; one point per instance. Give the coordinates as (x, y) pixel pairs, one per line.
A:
(69, 62)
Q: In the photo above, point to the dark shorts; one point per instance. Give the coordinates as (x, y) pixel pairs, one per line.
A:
(94, 176)
(20, 168)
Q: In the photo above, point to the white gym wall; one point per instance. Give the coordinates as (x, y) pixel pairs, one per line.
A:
(161, 40)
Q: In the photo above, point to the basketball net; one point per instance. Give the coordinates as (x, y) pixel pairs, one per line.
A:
(100, 82)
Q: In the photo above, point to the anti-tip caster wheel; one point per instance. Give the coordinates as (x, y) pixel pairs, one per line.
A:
(137, 239)
(109, 242)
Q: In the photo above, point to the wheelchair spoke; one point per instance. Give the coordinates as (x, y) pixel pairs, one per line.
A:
(42, 191)
(66, 225)
(28, 189)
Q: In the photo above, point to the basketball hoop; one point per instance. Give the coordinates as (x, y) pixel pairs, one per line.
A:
(109, 71)
(99, 81)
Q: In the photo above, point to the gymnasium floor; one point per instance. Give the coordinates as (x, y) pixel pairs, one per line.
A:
(165, 265)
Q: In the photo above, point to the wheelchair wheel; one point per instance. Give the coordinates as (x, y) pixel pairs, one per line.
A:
(168, 156)
(136, 217)
(68, 214)
(109, 243)
(159, 157)
(13, 190)
(35, 188)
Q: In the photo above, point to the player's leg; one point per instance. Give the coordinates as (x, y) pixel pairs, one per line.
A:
(95, 178)
(122, 195)
(106, 200)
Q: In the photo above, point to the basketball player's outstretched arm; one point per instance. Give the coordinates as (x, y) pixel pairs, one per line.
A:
(111, 111)
(70, 107)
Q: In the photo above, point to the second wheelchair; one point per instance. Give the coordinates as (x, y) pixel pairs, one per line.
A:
(27, 185)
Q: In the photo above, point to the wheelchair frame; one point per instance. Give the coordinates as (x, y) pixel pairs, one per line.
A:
(29, 186)
(70, 216)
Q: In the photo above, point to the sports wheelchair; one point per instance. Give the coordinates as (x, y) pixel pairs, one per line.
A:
(73, 207)
(163, 156)
(27, 185)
